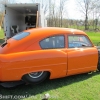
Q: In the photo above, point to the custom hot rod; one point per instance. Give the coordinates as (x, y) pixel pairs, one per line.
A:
(36, 54)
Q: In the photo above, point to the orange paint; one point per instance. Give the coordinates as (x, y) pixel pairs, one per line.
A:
(20, 57)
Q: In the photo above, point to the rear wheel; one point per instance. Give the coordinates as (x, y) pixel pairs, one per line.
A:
(35, 77)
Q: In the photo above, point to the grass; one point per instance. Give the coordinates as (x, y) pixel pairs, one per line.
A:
(1, 34)
(77, 87)
(94, 36)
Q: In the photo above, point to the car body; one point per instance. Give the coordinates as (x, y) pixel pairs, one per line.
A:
(35, 54)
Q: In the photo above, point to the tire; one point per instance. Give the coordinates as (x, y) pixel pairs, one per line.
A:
(99, 66)
(35, 77)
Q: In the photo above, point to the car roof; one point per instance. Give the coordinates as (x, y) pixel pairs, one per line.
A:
(47, 31)
(38, 34)
(41, 33)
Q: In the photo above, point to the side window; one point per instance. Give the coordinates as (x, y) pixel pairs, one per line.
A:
(78, 41)
(53, 42)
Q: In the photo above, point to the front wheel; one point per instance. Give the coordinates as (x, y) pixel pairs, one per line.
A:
(35, 77)
(98, 66)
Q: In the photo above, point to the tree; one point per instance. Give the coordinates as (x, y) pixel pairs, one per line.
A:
(61, 11)
(54, 11)
(96, 15)
(86, 7)
(44, 4)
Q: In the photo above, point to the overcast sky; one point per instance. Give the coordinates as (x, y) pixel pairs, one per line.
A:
(70, 7)
(73, 11)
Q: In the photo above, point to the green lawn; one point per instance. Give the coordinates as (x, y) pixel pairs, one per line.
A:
(1, 34)
(94, 36)
(77, 87)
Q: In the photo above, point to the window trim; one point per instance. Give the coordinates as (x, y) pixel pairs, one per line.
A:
(79, 35)
(53, 36)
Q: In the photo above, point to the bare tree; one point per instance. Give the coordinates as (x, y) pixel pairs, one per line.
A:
(49, 11)
(96, 15)
(44, 4)
(86, 7)
(51, 14)
(61, 11)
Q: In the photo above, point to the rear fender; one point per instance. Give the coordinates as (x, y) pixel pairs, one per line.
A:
(14, 66)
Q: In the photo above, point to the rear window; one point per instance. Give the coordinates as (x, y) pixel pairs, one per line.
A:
(20, 35)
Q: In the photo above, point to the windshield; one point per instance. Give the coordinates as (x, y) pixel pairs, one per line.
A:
(20, 35)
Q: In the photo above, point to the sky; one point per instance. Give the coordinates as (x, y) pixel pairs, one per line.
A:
(70, 7)
(73, 11)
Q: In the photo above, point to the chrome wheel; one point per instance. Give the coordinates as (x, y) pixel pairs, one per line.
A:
(36, 74)
(35, 77)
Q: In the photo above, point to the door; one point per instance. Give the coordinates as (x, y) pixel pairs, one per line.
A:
(82, 55)
(56, 59)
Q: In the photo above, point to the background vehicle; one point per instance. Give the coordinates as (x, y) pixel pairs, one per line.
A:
(19, 17)
(36, 54)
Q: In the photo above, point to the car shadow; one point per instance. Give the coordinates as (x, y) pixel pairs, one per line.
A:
(32, 90)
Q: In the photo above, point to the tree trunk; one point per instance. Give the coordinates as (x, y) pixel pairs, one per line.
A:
(86, 22)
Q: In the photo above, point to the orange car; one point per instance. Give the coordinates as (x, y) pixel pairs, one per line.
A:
(36, 54)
